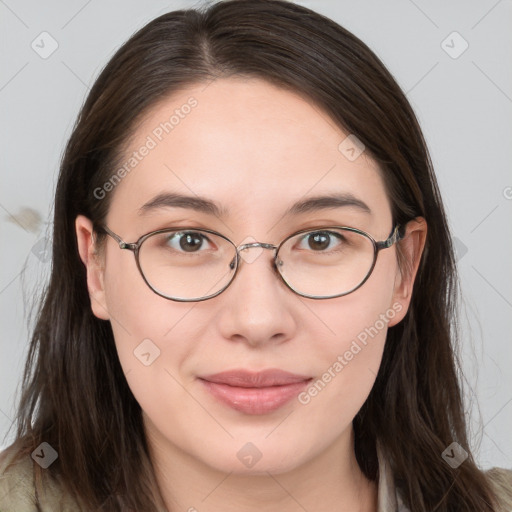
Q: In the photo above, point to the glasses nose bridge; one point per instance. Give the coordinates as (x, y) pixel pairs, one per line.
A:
(260, 245)
(263, 245)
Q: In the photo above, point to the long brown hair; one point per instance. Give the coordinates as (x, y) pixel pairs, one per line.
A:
(75, 394)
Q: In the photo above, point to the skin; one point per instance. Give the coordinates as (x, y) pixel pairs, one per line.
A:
(255, 149)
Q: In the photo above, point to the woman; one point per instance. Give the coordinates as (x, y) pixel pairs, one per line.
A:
(281, 334)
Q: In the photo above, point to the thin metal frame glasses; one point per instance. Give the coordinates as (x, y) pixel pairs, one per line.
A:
(234, 263)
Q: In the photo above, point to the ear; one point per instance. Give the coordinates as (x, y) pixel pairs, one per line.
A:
(87, 248)
(411, 249)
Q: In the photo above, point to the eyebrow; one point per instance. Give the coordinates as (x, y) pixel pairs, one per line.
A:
(330, 201)
(209, 207)
(174, 200)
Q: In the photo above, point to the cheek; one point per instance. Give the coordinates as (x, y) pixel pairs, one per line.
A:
(348, 360)
(149, 333)
(136, 312)
(362, 316)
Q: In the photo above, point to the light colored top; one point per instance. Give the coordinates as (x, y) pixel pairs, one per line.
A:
(17, 488)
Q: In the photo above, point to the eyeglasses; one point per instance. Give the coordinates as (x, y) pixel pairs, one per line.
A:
(191, 265)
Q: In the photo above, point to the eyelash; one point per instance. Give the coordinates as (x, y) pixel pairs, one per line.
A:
(174, 236)
(333, 236)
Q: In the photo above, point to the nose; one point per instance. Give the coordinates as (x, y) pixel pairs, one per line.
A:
(257, 308)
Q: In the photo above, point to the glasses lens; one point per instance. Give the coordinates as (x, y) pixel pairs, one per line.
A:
(187, 264)
(326, 263)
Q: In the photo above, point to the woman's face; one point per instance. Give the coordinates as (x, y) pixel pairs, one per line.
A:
(254, 150)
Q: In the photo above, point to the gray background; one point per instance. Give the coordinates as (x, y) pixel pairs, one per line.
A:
(463, 101)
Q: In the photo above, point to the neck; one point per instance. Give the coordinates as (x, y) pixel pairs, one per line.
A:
(332, 480)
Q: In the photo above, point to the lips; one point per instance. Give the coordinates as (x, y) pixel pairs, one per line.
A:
(255, 392)
(247, 379)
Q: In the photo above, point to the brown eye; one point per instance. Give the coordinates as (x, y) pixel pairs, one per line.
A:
(191, 242)
(321, 240)
(184, 242)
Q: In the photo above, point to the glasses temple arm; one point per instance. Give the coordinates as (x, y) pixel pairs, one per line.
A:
(395, 236)
(122, 244)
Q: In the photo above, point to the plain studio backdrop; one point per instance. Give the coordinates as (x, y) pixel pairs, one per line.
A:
(451, 58)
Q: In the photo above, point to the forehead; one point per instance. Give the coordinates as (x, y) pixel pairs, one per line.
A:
(252, 147)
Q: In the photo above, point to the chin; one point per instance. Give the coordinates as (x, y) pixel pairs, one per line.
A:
(256, 458)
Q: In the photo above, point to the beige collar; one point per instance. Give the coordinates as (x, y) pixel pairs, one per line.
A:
(389, 499)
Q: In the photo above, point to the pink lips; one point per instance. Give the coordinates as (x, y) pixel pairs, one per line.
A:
(255, 392)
